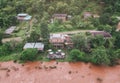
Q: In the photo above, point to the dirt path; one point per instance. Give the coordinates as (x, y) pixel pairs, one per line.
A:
(72, 32)
(17, 39)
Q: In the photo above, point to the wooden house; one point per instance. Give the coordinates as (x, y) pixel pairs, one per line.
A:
(61, 17)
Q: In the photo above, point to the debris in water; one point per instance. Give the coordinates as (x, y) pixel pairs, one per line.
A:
(69, 72)
(99, 80)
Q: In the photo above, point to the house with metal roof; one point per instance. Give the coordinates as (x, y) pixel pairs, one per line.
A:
(102, 33)
(38, 45)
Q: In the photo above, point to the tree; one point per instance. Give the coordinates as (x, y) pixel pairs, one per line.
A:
(100, 56)
(96, 41)
(76, 55)
(117, 39)
(117, 53)
(28, 54)
(34, 37)
(80, 41)
(105, 18)
(44, 31)
(1, 36)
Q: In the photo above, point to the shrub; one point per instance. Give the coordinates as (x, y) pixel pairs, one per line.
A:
(28, 54)
(117, 53)
(100, 56)
(76, 55)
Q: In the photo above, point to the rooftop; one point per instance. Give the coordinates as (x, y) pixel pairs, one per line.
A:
(39, 46)
(59, 15)
(103, 33)
(10, 30)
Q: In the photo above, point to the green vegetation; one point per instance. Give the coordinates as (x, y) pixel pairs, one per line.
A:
(76, 55)
(28, 54)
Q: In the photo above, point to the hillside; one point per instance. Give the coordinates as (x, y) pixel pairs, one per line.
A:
(44, 9)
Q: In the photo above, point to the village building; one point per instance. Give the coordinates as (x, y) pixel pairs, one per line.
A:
(24, 17)
(39, 46)
(57, 40)
(60, 40)
(60, 17)
(10, 30)
(102, 33)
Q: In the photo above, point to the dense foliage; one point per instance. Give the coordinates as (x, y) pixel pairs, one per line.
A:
(28, 54)
(76, 55)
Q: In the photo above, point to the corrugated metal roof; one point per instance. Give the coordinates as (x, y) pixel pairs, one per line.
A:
(39, 46)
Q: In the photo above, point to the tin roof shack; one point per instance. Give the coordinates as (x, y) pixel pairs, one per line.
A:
(24, 17)
(103, 33)
(39, 46)
(10, 30)
(61, 17)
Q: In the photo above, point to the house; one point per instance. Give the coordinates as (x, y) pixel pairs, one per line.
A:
(61, 17)
(60, 40)
(87, 15)
(57, 40)
(24, 17)
(10, 30)
(103, 33)
(39, 46)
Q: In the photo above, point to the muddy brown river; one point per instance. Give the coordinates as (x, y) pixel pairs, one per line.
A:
(57, 72)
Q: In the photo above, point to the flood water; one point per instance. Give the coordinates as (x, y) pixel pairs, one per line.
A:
(57, 72)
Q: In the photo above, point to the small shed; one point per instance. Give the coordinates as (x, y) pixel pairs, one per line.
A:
(24, 17)
(10, 30)
(39, 46)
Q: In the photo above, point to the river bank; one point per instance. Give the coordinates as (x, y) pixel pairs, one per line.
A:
(57, 72)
